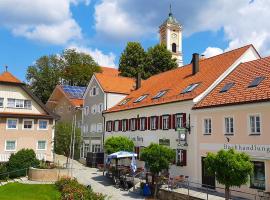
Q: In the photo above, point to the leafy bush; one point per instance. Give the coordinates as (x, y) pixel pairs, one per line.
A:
(3, 170)
(21, 160)
(118, 143)
(72, 190)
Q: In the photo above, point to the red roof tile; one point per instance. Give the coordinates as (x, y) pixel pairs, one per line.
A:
(178, 79)
(8, 77)
(76, 102)
(240, 93)
(112, 82)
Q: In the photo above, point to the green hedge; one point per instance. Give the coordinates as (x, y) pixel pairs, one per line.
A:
(71, 189)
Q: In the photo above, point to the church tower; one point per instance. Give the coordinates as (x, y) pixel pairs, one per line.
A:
(171, 35)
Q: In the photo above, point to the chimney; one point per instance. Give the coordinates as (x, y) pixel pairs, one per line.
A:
(195, 63)
(138, 81)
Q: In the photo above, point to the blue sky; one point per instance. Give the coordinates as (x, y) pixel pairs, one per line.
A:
(30, 29)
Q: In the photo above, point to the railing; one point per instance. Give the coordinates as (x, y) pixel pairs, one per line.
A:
(206, 190)
(5, 157)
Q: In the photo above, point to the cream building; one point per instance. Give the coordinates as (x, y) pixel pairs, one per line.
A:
(24, 121)
(235, 114)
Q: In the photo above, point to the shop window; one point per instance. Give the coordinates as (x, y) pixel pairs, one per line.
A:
(257, 180)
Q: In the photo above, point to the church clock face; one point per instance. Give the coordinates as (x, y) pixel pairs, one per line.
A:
(174, 35)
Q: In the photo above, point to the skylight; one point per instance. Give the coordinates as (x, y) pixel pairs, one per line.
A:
(190, 88)
(226, 87)
(124, 101)
(256, 81)
(141, 98)
(160, 94)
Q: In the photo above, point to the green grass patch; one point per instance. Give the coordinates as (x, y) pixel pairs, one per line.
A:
(19, 191)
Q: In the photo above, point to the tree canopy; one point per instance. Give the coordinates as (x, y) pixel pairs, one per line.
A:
(231, 168)
(118, 143)
(155, 60)
(72, 67)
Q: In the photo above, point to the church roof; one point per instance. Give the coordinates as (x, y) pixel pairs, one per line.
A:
(171, 20)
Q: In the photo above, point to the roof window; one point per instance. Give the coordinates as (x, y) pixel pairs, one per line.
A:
(124, 101)
(160, 94)
(190, 88)
(226, 87)
(141, 98)
(256, 81)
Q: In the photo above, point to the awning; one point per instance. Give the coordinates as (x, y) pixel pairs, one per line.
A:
(122, 154)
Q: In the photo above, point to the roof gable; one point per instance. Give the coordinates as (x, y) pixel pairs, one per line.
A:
(9, 78)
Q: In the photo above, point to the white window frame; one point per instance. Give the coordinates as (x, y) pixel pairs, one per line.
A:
(225, 127)
(45, 145)
(94, 109)
(181, 120)
(142, 123)
(207, 130)
(9, 149)
(249, 124)
(41, 129)
(124, 121)
(116, 125)
(109, 126)
(94, 147)
(99, 127)
(133, 124)
(17, 124)
(153, 123)
(28, 128)
(165, 126)
(100, 107)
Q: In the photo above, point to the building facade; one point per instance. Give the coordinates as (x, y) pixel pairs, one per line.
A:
(104, 90)
(161, 110)
(235, 115)
(24, 121)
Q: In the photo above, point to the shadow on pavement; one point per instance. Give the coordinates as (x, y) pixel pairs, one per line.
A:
(103, 180)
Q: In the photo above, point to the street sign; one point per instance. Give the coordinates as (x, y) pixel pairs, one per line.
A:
(180, 129)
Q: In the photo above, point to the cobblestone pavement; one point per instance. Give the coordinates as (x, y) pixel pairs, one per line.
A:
(99, 183)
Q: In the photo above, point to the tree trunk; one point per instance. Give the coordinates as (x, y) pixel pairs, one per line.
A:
(227, 192)
(156, 186)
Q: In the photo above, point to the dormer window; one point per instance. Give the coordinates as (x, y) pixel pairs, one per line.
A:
(160, 94)
(256, 81)
(141, 98)
(124, 101)
(226, 87)
(190, 88)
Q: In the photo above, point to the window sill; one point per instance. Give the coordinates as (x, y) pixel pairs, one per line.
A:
(229, 134)
(207, 134)
(254, 134)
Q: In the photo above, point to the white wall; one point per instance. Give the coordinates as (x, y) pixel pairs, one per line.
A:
(113, 99)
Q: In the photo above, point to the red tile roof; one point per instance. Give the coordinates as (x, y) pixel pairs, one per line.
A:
(8, 77)
(240, 93)
(175, 81)
(76, 102)
(110, 81)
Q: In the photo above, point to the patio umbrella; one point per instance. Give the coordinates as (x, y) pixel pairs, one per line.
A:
(122, 154)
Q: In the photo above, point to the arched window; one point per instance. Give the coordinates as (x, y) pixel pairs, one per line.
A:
(174, 47)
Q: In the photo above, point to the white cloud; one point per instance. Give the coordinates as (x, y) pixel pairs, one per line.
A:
(105, 60)
(47, 21)
(212, 51)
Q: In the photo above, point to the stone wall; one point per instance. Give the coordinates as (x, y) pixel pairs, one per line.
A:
(46, 175)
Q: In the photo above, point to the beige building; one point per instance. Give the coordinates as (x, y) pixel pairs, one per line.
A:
(235, 114)
(67, 101)
(24, 121)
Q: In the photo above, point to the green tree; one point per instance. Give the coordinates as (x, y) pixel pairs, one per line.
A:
(230, 168)
(158, 158)
(62, 139)
(158, 59)
(43, 76)
(71, 66)
(77, 67)
(21, 160)
(132, 60)
(119, 143)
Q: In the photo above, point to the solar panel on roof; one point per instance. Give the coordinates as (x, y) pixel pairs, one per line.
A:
(256, 81)
(74, 91)
(226, 87)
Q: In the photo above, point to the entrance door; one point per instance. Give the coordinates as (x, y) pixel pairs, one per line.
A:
(207, 180)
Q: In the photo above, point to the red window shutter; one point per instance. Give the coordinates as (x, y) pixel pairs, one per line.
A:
(112, 125)
(138, 123)
(160, 122)
(127, 124)
(157, 122)
(184, 157)
(184, 120)
(170, 122)
(173, 121)
(107, 125)
(145, 125)
(149, 123)
(120, 125)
